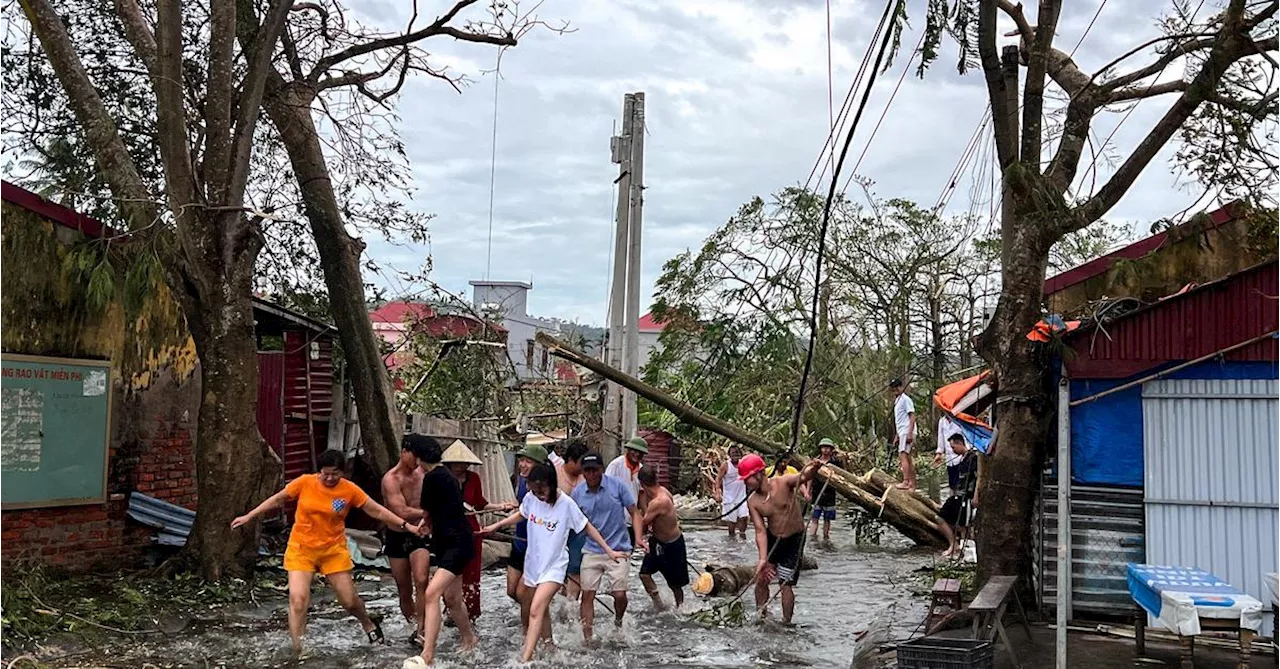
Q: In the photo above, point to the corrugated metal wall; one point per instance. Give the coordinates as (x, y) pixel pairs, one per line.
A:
(1212, 449)
(1106, 534)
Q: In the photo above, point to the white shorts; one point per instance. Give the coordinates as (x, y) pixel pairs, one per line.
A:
(903, 446)
(732, 514)
(600, 573)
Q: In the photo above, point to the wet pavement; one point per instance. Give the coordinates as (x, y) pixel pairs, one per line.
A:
(852, 584)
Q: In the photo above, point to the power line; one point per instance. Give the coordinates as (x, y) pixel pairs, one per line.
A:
(822, 237)
(493, 164)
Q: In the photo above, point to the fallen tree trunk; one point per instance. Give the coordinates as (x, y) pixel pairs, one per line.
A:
(723, 581)
(903, 512)
(878, 482)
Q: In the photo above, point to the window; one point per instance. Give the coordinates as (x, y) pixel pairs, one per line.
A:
(528, 354)
(544, 360)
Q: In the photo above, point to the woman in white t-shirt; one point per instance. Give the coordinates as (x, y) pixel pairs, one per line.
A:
(551, 515)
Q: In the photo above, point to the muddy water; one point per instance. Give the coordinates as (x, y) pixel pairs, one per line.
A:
(852, 584)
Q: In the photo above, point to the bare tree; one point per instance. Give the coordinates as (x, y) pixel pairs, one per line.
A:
(1044, 200)
(330, 63)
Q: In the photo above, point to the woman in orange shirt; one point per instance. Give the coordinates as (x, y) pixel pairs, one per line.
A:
(318, 540)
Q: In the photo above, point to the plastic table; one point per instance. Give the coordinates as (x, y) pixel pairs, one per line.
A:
(1188, 601)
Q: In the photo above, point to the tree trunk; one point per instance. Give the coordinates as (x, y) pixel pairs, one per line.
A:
(381, 423)
(1011, 475)
(235, 468)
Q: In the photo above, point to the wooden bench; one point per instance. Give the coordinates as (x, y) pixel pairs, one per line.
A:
(988, 611)
(946, 600)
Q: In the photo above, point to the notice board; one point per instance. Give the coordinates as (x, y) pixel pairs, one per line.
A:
(55, 422)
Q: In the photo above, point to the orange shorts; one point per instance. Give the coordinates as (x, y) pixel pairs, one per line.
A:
(329, 560)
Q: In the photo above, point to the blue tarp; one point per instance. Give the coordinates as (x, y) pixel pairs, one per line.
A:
(1106, 434)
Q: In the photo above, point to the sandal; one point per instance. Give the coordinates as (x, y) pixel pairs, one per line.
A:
(375, 635)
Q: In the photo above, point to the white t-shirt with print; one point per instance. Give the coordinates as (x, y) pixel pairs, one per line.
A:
(547, 557)
(903, 407)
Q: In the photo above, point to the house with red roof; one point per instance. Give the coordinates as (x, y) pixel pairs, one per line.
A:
(650, 328)
(396, 321)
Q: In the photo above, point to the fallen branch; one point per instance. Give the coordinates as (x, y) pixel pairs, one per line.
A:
(905, 513)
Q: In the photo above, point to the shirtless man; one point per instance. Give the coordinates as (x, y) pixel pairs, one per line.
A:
(666, 554)
(410, 559)
(777, 514)
(568, 476)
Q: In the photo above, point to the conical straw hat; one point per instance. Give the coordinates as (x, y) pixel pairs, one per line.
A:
(458, 452)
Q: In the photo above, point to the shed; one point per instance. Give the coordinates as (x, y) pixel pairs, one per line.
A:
(1174, 443)
(664, 454)
(296, 385)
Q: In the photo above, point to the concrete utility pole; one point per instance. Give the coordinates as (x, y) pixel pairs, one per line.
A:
(620, 146)
(631, 349)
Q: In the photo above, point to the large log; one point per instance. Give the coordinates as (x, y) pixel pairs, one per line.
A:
(878, 481)
(723, 581)
(910, 518)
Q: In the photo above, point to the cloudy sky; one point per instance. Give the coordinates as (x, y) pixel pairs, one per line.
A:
(737, 107)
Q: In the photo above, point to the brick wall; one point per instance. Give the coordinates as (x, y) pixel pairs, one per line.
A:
(152, 452)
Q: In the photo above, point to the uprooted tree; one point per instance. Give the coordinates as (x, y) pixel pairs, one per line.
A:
(1219, 104)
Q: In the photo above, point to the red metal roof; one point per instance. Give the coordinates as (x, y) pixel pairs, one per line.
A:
(1183, 327)
(53, 211)
(648, 324)
(1135, 250)
(401, 312)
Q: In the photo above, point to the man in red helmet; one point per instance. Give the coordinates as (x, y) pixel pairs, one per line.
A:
(777, 513)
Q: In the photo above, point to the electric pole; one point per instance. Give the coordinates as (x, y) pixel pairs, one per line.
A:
(631, 350)
(620, 148)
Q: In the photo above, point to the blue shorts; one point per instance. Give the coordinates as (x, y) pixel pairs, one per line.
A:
(824, 512)
(576, 541)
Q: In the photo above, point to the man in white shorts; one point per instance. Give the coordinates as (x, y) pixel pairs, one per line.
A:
(607, 503)
(904, 432)
(731, 492)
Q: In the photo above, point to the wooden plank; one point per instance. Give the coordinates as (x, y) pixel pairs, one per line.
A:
(993, 594)
(946, 586)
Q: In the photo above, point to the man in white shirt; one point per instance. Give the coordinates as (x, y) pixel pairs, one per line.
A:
(947, 426)
(904, 432)
(626, 468)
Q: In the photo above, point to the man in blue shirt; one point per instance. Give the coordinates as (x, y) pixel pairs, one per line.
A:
(606, 502)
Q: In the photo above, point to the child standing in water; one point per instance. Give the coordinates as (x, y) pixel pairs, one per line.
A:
(551, 515)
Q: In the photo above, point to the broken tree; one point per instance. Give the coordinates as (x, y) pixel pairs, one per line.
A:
(905, 512)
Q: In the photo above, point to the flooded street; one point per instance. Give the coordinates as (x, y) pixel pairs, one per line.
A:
(852, 584)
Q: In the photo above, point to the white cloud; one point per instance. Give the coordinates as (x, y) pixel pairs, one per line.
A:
(737, 107)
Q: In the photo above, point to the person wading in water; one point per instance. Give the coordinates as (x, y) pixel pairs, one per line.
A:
(459, 459)
(408, 553)
(551, 515)
(318, 540)
(453, 545)
(526, 459)
(732, 494)
(777, 514)
(667, 554)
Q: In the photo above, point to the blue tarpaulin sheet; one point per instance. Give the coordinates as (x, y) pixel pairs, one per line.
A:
(1106, 434)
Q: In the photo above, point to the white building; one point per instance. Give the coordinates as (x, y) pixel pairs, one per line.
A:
(649, 329)
(508, 303)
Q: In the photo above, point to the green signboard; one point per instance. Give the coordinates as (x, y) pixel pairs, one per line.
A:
(55, 426)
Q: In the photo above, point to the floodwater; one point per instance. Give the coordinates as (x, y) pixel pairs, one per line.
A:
(852, 585)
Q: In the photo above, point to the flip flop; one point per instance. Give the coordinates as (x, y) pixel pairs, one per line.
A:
(375, 635)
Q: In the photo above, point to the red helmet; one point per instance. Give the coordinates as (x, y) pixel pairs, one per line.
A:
(749, 465)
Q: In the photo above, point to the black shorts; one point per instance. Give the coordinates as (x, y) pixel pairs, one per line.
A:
(669, 559)
(398, 545)
(516, 559)
(784, 554)
(452, 552)
(953, 512)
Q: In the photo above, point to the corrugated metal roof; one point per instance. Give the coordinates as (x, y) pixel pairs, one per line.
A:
(173, 521)
(1184, 327)
(1135, 250)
